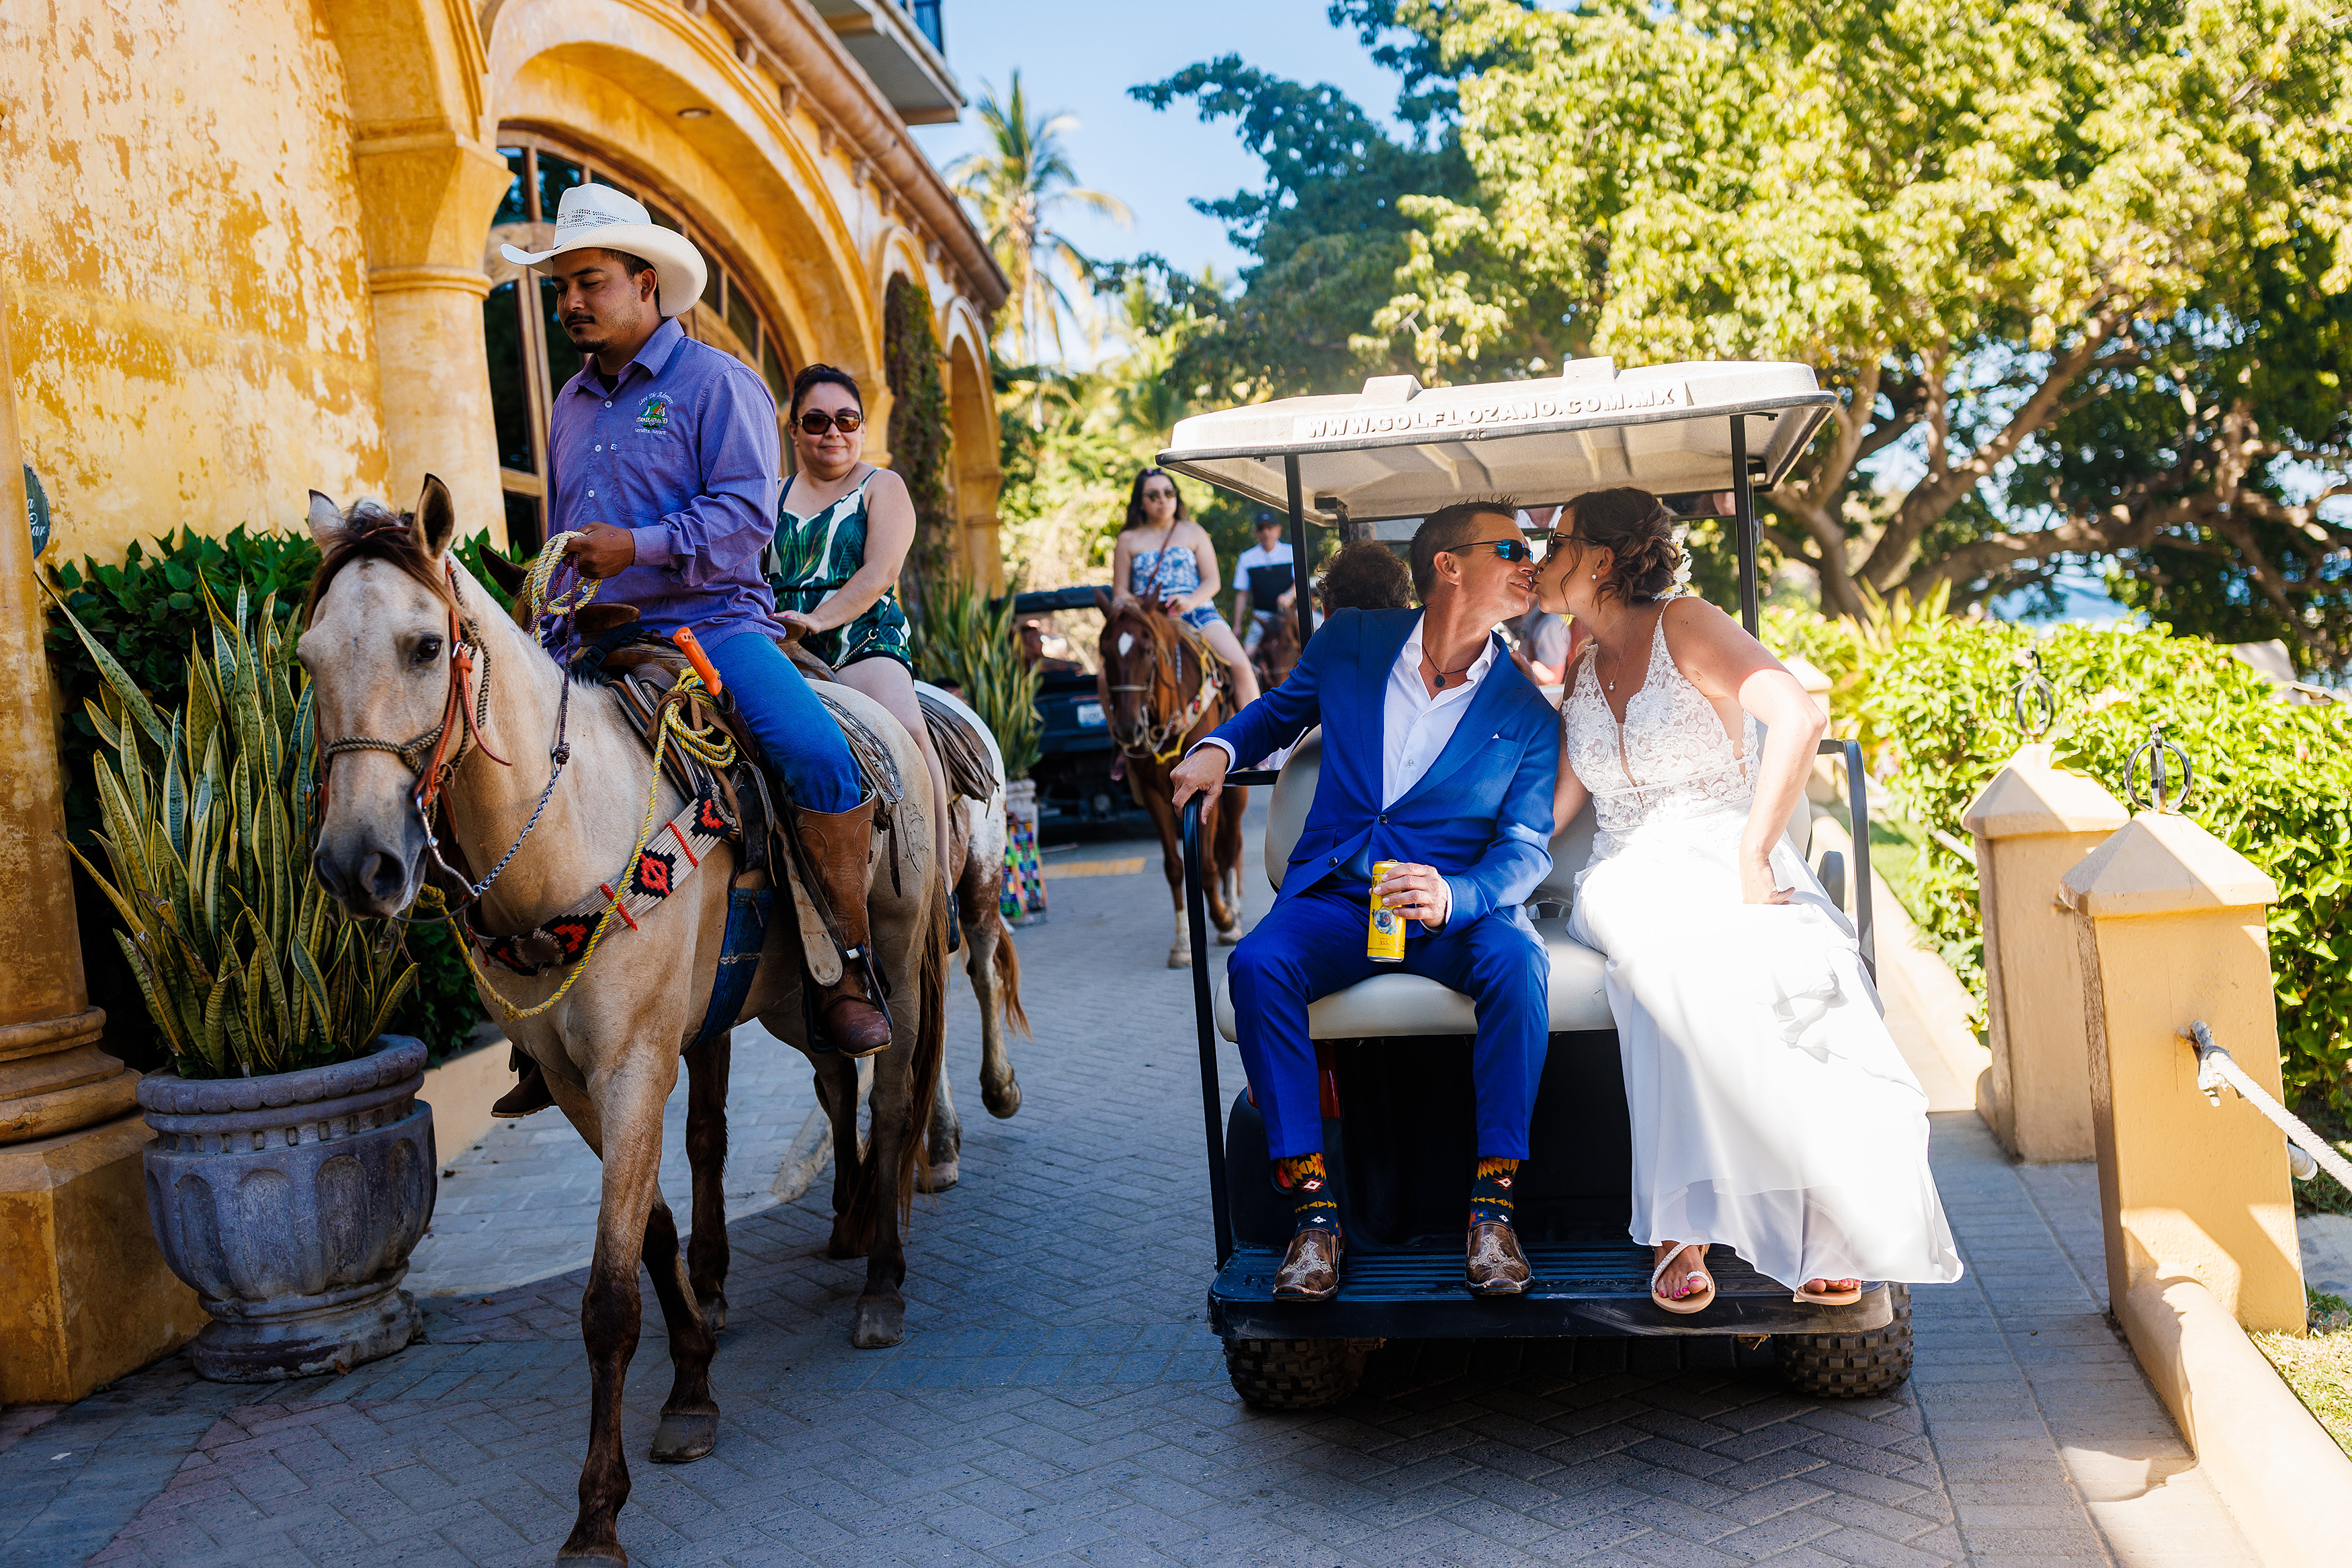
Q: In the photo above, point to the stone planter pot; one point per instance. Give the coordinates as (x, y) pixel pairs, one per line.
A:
(290, 1203)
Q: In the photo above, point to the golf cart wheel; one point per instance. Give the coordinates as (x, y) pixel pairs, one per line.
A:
(1295, 1373)
(1850, 1366)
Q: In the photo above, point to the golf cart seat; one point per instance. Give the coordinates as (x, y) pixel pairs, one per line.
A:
(1401, 1004)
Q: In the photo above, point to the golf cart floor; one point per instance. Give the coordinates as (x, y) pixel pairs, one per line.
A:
(1587, 1288)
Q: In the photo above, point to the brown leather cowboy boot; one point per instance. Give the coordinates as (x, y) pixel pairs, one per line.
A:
(1495, 1266)
(836, 846)
(529, 1093)
(1310, 1270)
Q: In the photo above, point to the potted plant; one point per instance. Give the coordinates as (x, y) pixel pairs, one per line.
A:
(293, 1166)
(967, 640)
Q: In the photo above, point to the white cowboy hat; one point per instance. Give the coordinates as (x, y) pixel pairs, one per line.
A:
(598, 218)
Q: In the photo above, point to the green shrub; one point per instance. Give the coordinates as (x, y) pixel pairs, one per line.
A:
(1931, 701)
(147, 612)
(966, 641)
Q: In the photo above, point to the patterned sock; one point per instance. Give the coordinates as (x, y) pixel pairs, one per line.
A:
(1490, 1190)
(1303, 1179)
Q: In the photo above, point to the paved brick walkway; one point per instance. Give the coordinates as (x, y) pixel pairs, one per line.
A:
(1058, 1401)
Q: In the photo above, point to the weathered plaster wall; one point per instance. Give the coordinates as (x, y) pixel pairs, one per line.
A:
(181, 264)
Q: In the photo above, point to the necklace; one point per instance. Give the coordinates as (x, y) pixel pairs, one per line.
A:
(1445, 676)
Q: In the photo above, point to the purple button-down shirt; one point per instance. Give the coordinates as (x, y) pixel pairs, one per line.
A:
(682, 451)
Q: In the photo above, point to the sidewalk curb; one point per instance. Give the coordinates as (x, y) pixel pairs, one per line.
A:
(2284, 1477)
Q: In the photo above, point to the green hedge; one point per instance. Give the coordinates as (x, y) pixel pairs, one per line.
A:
(1930, 697)
(147, 611)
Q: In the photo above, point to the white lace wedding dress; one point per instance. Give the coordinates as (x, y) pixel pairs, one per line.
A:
(1771, 1111)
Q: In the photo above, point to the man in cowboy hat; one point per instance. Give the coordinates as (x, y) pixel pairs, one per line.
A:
(664, 462)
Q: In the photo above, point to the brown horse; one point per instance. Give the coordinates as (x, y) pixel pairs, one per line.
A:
(1277, 651)
(400, 637)
(1164, 691)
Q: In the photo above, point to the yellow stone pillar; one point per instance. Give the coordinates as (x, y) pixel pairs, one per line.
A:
(2170, 924)
(2033, 823)
(84, 1294)
(426, 201)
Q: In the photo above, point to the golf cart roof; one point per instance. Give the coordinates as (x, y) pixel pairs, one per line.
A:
(1398, 449)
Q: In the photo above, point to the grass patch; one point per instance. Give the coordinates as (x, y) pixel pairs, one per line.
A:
(2318, 1368)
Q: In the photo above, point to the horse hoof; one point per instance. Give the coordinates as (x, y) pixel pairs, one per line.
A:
(1002, 1100)
(1179, 957)
(881, 1322)
(609, 1555)
(714, 1312)
(685, 1437)
(1227, 935)
(937, 1178)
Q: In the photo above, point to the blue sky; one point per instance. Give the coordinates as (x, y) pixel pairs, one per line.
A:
(1084, 57)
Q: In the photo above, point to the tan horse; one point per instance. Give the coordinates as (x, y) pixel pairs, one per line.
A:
(1277, 651)
(389, 614)
(1163, 693)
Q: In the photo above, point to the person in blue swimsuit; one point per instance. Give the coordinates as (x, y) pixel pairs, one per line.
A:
(1162, 551)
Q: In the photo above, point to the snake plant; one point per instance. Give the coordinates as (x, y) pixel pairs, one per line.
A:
(967, 638)
(247, 965)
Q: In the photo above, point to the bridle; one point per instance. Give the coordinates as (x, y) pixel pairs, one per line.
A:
(1163, 741)
(434, 755)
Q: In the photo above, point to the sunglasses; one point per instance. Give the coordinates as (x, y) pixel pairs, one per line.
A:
(816, 421)
(1507, 549)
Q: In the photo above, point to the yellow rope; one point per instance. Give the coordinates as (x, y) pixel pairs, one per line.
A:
(537, 601)
(707, 743)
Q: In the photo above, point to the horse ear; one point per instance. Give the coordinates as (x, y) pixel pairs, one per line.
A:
(1102, 602)
(436, 517)
(509, 575)
(326, 521)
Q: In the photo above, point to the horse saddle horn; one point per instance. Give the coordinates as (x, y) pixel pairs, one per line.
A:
(598, 618)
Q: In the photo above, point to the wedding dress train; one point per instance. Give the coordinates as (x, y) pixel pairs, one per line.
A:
(1771, 1111)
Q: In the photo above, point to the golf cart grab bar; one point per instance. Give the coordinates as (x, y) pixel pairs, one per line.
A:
(1857, 795)
(1196, 920)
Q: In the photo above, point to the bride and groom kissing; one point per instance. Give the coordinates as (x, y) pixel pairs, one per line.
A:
(1771, 1112)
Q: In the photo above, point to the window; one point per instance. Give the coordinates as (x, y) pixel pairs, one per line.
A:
(530, 357)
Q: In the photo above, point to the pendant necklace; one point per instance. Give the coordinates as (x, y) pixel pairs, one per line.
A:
(1444, 676)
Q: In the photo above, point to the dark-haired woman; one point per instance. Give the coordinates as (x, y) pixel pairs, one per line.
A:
(843, 530)
(1160, 550)
(1771, 1112)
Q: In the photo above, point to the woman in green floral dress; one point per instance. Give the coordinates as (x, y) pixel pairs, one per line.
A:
(843, 530)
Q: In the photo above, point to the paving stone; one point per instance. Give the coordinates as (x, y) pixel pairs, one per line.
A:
(1065, 1406)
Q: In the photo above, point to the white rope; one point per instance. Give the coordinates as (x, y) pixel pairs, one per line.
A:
(2217, 1069)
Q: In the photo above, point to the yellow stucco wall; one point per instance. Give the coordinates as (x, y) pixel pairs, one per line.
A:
(181, 266)
(188, 256)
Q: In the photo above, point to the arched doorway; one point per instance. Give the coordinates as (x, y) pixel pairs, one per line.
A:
(530, 356)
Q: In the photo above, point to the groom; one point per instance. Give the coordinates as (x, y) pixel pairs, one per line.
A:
(1440, 755)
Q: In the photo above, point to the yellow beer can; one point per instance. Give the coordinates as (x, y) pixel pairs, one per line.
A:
(1386, 943)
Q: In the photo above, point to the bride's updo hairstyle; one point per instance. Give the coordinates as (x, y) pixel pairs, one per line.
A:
(1637, 530)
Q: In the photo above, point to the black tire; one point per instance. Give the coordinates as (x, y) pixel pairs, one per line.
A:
(1295, 1373)
(1850, 1366)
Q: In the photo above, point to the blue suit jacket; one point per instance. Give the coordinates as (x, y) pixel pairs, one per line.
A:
(1481, 815)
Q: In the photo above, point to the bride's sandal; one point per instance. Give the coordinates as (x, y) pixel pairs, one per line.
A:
(1840, 1293)
(1690, 1300)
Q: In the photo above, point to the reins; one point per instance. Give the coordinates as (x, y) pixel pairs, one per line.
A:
(1163, 741)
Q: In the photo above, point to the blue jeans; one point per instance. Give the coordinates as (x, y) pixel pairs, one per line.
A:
(1311, 945)
(804, 746)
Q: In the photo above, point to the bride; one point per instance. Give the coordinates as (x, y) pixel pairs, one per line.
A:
(1771, 1112)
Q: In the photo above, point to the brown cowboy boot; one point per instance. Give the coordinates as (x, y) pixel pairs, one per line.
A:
(528, 1094)
(1494, 1265)
(1310, 1270)
(836, 846)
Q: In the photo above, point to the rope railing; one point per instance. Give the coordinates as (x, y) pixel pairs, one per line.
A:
(2307, 1151)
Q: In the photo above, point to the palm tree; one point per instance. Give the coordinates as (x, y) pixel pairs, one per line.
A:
(1015, 185)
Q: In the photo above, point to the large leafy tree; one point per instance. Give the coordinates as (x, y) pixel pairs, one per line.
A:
(2006, 230)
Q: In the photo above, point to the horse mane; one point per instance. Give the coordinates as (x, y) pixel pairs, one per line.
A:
(373, 531)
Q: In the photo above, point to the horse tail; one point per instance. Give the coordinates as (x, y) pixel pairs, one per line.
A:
(1007, 965)
(930, 1055)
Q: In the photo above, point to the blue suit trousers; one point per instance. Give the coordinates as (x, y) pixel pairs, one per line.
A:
(1312, 944)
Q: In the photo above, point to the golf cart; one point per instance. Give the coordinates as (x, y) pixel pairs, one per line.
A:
(1075, 750)
(1394, 1050)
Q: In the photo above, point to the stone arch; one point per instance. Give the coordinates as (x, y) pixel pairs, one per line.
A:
(614, 78)
(977, 477)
